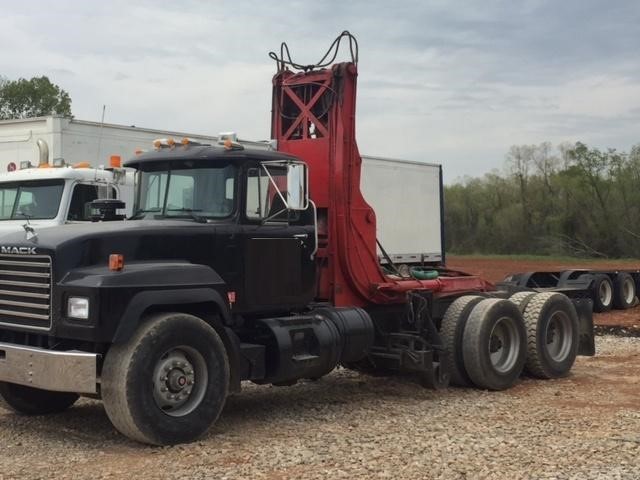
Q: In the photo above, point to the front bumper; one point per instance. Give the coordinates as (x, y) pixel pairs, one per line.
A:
(48, 369)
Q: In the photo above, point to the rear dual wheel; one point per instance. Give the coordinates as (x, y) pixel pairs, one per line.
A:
(452, 330)
(551, 323)
(491, 341)
(494, 344)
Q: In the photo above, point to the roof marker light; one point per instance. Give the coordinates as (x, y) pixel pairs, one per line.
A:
(115, 161)
(229, 144)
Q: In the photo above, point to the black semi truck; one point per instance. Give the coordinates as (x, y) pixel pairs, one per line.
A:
(242, 264)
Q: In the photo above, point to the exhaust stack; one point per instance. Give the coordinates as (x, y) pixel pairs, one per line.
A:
(44, 152)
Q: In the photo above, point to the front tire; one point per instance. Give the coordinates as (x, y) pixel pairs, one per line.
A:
(33, 401)
(169, 382)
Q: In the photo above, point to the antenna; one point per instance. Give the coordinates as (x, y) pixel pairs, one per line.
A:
(104, 107)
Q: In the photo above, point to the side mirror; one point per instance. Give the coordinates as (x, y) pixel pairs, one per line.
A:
(297, 183)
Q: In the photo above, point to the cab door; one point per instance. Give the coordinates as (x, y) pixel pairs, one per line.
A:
(279, 272)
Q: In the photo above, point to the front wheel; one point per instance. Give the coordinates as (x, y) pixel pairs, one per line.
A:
(169, 382)
(33, 401)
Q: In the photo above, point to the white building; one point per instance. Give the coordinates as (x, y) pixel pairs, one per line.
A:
(79, 140)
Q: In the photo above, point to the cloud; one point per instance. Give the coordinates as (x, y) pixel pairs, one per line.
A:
(456, 82)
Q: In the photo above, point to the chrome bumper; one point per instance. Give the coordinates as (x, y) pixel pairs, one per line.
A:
(48, 369)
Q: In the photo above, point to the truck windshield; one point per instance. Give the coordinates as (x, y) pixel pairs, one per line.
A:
(188, 193)
(33, 200)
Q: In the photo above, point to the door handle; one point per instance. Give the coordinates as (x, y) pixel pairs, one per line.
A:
(301, 236)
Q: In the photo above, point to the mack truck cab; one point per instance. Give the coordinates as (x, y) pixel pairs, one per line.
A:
(241, 264)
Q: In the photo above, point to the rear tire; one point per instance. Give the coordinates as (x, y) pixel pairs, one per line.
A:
(521, 299)
(33, 401)
(452, 330)
(624, 291)
(602, 293)
(494, 344)
(168, 383)
(552, 335)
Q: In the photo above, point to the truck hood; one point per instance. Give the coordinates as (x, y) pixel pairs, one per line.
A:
(88, 244)
(16, 226)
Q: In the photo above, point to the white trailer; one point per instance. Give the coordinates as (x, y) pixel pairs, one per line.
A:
(406, 196)
(408, 200)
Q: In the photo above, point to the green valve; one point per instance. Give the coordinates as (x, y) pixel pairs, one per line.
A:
(421, 274)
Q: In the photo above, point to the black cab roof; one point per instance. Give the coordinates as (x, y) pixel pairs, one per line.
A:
(206, 152)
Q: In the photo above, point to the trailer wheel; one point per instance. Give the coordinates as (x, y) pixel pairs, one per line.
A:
(451, 330)
(602, 293)
(33, 401)
(168, 383)
(494, 344)
(552, 335)
(521, 299)
(624, 291)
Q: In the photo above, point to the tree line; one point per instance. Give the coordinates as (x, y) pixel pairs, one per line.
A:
(568, 200)
(36, 97)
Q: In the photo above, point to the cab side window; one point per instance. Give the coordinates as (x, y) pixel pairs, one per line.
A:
(83, 195)
(264, 199)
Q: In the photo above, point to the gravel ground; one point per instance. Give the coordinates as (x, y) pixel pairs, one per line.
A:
(352, 426)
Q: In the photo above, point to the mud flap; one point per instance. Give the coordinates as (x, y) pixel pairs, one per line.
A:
(584, 308)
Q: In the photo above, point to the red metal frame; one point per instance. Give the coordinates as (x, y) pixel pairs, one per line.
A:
(313, 118)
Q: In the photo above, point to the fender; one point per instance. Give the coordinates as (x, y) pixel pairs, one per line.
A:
(152, 298)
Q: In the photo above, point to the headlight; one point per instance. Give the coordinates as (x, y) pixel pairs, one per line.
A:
(78, 307)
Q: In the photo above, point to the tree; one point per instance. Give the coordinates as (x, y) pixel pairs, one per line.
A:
(576, 200)
(36, 97)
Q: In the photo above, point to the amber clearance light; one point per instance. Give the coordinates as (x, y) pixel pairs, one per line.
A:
(116, 262)
(115, 161)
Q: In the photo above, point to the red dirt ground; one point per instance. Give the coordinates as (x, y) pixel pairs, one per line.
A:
(495, 269)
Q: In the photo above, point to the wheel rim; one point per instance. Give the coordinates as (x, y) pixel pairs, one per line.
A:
(605, 292)
(628, 290)
(558, 336)
(504, 345)
(180, 379)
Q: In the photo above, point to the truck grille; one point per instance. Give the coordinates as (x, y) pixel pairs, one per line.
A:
(25, 290)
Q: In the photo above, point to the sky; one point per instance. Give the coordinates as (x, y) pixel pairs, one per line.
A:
(449, 82)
